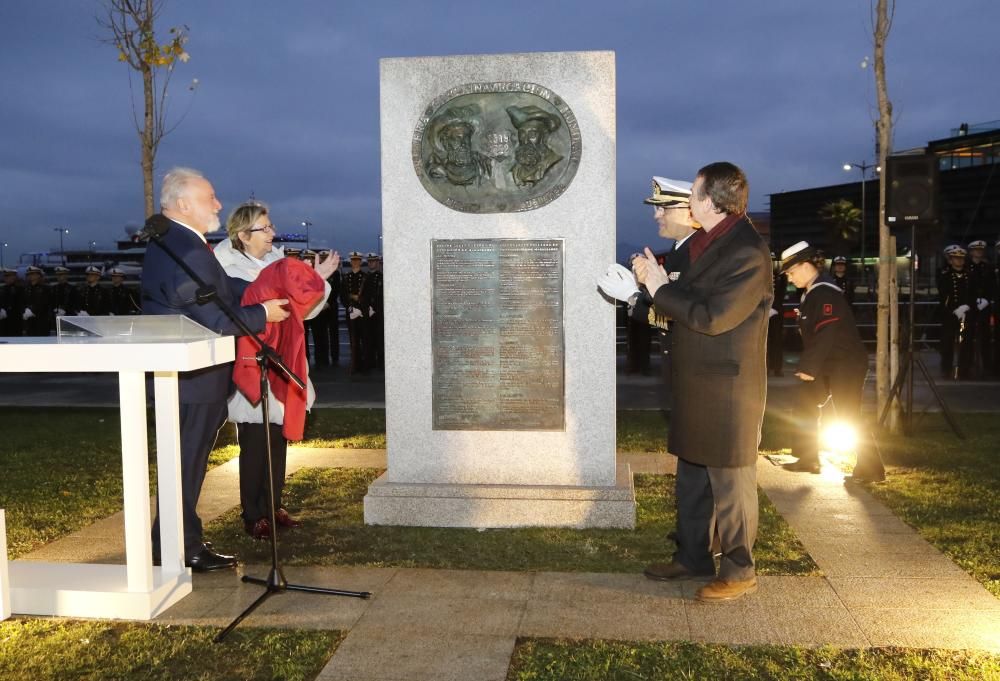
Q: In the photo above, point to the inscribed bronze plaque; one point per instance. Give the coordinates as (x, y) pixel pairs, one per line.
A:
(498, 334)
(500, 147)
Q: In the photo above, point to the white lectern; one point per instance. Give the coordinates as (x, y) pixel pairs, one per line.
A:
(129, 346)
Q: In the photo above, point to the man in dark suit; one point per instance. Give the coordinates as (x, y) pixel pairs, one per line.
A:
(188, 200)
(719, 310)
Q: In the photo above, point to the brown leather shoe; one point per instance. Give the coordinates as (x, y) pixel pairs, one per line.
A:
(665, 572)
(722, 590)
(283, 519)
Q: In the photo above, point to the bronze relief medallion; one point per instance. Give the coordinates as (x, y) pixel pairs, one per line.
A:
(502, 147)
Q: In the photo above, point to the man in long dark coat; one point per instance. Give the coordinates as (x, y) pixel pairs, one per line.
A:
(719, 310)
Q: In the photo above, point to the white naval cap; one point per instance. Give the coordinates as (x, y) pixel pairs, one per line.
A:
(796, 253)
(667, 192)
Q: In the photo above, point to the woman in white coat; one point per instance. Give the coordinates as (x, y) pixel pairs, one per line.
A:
(249, 250)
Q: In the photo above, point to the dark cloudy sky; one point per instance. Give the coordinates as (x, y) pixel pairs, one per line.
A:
(287, 101)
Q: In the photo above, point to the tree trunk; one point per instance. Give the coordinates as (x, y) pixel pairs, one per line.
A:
(887, 256)
(148, 120)
(147, 141)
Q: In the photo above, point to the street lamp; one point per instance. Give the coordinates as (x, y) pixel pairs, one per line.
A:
(93, 246)
(3, 247)
(62, 250)
(863, 167)
(307, 225)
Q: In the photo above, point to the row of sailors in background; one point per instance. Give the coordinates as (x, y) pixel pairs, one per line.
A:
(967, 291)
(30, 307)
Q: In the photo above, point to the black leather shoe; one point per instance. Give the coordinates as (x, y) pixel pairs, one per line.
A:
(801, 466)
(207, 560)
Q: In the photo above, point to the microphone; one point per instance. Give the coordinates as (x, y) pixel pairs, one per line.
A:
(155, 227)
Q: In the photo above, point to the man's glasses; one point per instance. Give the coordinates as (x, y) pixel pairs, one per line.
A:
(265, 228)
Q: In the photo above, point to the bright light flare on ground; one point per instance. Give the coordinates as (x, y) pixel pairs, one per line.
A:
(839, 437)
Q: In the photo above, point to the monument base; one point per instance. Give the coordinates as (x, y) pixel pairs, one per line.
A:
(492, 506)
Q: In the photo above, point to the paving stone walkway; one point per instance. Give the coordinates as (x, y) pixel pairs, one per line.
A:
(882, 586)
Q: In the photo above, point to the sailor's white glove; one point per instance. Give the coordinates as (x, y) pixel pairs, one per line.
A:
(981, 303)
(371, 311)
(772, 313)
(111, 314)
(60, 312)
(82, 313)
(960, 312)
(28, 314)
(618, 282)
(3, 313)
(354, 312)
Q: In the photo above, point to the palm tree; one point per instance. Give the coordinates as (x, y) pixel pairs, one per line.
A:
(844, 220)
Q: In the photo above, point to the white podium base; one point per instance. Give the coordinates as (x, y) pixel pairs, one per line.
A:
(88, 590)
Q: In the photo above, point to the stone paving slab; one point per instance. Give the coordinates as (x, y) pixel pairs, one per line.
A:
(963, 593)
(400, 655)
(930, 628)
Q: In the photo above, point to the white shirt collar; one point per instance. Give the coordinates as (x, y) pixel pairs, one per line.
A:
(200, 235)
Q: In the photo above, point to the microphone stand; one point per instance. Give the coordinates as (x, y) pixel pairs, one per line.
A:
(275, 582)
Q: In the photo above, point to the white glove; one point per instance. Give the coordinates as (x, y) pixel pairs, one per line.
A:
(354, 312)
(371, 311)
(60, 312)
(82, 313)
(981, 303)
(960, 311)
(3, 313)
(111, 314)
(28, 314)
(772, 313)
(618, 282)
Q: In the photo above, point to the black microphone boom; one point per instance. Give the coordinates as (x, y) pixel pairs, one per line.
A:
(156, 226)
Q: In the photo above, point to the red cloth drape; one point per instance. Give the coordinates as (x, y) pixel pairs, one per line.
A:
(298, 282)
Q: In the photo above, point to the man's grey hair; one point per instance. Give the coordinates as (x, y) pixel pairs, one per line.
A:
(175, 184)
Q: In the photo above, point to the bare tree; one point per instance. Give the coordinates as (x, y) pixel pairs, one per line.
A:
(130, 27)
(882, 20)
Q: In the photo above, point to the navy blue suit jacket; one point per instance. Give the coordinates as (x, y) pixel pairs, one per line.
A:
(167, 289)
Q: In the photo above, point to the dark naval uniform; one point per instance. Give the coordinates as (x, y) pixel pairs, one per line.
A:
(675, 263)
(352, 296)
(65, 297)
(954, 291)
(93, 300)
(845, 285)
(776, 327)
(12, 304)
(374, 306)
(37, 299)
(122, 301)
(833, 354)
(982, 282)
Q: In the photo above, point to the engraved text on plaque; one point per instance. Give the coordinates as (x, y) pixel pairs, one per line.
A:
(498, 334)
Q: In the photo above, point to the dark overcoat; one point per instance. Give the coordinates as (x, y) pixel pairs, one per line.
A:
(720, 310)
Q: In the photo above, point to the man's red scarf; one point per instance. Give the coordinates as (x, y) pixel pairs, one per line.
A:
(298, 282)
(701, 241)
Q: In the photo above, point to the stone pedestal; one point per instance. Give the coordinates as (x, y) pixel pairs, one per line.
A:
(560, 469)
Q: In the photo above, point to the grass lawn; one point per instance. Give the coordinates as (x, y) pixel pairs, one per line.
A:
(949, 489)
(330, 502)
(558, 660)
(55, 650)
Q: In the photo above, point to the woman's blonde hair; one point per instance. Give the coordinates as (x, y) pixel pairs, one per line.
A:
(242, 219)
